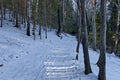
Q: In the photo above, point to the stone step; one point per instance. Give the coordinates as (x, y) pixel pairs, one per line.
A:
(60, 72)
(59, 63)
(60, 75)
(59, 58)
(61, 68)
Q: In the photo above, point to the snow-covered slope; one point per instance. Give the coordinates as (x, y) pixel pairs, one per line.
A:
(22, 58)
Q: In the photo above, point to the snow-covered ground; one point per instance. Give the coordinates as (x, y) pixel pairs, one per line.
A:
(22, 58)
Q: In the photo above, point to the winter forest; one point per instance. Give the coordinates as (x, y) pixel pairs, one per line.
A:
(59, 39)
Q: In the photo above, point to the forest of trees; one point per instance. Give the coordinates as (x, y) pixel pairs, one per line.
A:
(95, 23)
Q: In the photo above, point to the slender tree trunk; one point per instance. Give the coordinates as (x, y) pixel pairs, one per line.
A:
(50, 17)
(45, 17)
(79, 29)
(63, 14)
(9, 13)
(85, 39)
(23, 7)
(16, 25)
(28, 26)
(4, 9)
(22, 3)
(59, 21)
(16, 13)
(33, 33)
(102, 59)
(13, 8)
(34, 16)
(28, 18)
(1, 13)
(117, 30)
(40, 28)
(94, 24)
(78, 42)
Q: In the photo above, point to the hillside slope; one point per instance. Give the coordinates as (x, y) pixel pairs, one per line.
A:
(22, 58)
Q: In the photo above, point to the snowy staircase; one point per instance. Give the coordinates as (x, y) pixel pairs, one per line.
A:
(60, 66)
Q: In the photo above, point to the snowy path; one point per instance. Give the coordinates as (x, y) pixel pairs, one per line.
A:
(41, 67)
(25, 59)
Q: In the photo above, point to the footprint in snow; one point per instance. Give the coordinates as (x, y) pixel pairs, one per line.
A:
(1, 65)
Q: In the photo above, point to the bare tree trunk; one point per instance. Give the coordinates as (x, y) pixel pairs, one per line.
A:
(59, 21)
(28, 26)
(117, 30)
(85, 39)
(50, 17)
(16, 25)
(28, 18)
(64, 7)
(79, 29)
(40, 29)
(33, 30)
(1, 13)
(78, 42)
(102, 59)
(40, 33)
(13, 8)
(45, 17)
(94, 24)
(34, 16)
(25, 13)
(4, 9)
(16, 13)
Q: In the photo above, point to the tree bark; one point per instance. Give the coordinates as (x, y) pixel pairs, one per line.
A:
(102, 59)
(28, 26)
(64, 8)
(4, 9)
(33, 30)
(94, 24)
(79, 28)
(117, 29)
(28, 18)
(59, 21)
(16, 12)
(1, 13)
(85, 39)
(40, 29)
(45, 17)
(13, 8)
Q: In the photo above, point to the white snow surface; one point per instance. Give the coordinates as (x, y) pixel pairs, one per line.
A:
(22, 58)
